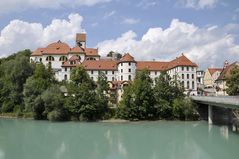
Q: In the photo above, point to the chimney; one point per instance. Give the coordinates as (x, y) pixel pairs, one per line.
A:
(81, 40)
(226, 63)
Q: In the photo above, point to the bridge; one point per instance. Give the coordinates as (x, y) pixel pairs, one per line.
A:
(231, 102)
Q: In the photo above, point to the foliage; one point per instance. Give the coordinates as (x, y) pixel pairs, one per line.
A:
(138, 99)
(118, 55)
(232, 81)
(165, 91)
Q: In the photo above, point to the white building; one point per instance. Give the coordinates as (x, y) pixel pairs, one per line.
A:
(119, 72)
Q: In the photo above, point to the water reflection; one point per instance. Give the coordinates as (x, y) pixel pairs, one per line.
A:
(146, 140)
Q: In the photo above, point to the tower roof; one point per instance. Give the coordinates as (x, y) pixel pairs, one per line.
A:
(127, 58)
(57, 48)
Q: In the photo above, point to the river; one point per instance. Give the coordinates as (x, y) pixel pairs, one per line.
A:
(28, 139)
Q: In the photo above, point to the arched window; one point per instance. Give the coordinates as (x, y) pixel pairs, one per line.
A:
(65, 77)
(49, 58)
(187, 84)
(182, 76)
(193, 85)
(63, 58)
(129, 77)
(40, 59)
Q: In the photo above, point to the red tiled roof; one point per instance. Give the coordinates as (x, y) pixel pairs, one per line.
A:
(226, 72)
(152, 65)
(73, 58)
(91, 52)
(57, 48)
(38, 52)
(181, 61)
(76, 49)
(69, 64)
(213, 70)
(127, 58)
(100, 65)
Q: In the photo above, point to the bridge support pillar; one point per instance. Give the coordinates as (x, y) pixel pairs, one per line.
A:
(210, 114)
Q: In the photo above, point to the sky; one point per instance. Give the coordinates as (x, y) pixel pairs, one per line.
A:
(206, 31)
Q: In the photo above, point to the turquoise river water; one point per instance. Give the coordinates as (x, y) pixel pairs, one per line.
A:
(28, 139)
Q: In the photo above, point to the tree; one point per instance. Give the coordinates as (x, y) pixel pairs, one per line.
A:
(15, 69)
(110, 54)
(36, 85)
(232, 81)
(165, 91)
(82, 101)
(138, 100)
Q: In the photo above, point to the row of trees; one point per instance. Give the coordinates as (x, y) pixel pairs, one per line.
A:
(28, 88)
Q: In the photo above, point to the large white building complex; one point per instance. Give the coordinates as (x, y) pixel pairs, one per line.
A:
(63, 58)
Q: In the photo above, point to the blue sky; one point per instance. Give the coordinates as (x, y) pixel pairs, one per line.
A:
(159, 29)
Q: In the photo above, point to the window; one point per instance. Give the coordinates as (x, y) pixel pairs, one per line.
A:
(129, 70)
(129, 77)
(121, 64)
(183, 83)
(65, 77)
(187, 68)
(187, 84)
(192, 76)
(113, 78)
(113, 72)
(121, 70)
(92, 72)
(40, 59)
(182, 76)
(65, 69)
(192, 68)
(121, 78)
(129, 63)
(187, 76)
(192, 84)
(182, 68)
(49, 58)
(155, 72)
(106, 72)
(63, 58)
(92, 78)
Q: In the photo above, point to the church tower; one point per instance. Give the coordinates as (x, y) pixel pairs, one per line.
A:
(81, 40)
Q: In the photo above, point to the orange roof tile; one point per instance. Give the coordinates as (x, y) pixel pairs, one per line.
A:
(73, 58)
(71, 64)
(181, 61)
(100, 65)
(38, 52)
(127, 58)
(226, 72)
(213, 70)
(152, 65)
(80, 37)
(91, 52)
(76, 49)
(57, 48)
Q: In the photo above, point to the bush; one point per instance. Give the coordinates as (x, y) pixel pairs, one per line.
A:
(58, 115)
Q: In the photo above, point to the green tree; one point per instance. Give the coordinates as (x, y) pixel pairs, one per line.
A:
(232, 81)
(82, 98)
(165, 91)
(138, 100)
(110, 54)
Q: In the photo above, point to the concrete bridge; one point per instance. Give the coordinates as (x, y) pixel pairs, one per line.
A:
(231, 102)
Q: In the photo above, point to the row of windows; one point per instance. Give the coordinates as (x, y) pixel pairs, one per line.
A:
(128, 64)
(129, 78)
(106, 72)
(188, 85)
(187, 68)
(192, 76)
(129, 70)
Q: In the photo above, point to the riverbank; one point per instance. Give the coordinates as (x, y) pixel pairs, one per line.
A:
(16, 116)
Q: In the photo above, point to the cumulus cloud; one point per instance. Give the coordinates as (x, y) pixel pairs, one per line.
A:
(207, 46)
(7, 6)
(198, 4)
(19, 34)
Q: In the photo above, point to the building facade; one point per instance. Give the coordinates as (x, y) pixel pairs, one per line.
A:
(119, 72)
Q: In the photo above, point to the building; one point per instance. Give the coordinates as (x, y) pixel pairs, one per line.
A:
(119, 72)
(200, 81)
(221, 80)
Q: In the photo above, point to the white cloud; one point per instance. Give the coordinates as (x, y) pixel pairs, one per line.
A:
(7, 6)
(145, 4)
(18, 35)
(206, 46)
(131, 21)
(109, 14)
(198, 4)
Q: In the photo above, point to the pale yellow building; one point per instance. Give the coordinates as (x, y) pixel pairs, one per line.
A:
(211, 75)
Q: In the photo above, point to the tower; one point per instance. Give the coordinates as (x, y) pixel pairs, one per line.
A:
(81, 40)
